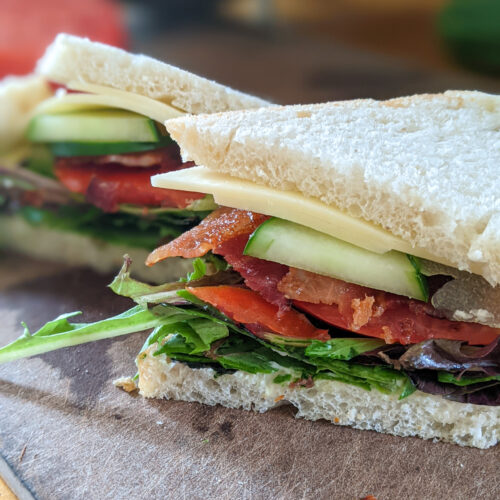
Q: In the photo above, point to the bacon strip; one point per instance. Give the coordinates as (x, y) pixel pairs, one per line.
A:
(357, 304)
(260, 275)
(220, 226)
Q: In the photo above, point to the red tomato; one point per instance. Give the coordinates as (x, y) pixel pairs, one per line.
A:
(28, 26)
(106, 186)
(259, 316)
(405, 323)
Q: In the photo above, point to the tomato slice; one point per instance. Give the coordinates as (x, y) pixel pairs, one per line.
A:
(259, 316)
(106, 186)
(405, 322)
(28, 26)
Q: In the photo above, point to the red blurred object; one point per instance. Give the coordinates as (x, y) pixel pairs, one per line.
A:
(28, 26)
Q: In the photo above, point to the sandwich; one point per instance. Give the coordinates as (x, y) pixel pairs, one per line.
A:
(88, 134)
(351, 269)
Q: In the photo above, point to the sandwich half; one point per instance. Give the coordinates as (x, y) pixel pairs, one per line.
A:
(77, 162)
(350, 270)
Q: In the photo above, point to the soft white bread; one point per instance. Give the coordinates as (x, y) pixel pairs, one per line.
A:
(422, 415)
(73, 249)
(74, 59)
(18, 96)
(424, 167)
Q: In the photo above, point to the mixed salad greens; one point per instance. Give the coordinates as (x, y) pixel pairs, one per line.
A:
(190, 331)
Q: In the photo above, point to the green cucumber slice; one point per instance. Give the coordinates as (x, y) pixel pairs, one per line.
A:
(278, 240)
(107, 125)
(64, 149)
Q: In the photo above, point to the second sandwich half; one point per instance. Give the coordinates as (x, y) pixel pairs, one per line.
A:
(76, 173)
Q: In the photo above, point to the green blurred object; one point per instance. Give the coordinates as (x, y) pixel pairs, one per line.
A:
(471, 30)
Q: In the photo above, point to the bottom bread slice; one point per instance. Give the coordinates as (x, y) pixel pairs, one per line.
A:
(423, 415)
(80, 250)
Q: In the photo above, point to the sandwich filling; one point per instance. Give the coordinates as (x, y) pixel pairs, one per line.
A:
(238, 312)
(84, 166)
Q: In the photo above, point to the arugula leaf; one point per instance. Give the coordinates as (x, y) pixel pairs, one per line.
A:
(344, 349)
(60, 333)
(464, 380)
(251, 362)
(142, 293)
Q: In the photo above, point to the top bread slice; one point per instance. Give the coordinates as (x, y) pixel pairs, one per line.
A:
(424, 167)
(73, 59)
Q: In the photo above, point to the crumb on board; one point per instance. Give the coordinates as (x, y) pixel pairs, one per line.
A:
(126, 383)
(23, 451)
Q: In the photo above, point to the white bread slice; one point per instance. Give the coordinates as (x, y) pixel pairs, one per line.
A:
(73, 59)
(73, 249)
(18, 96)
(422, 415)
(424, 167)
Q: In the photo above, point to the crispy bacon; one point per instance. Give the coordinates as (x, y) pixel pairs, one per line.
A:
(221, 225)
(357, 304)
(260, 275)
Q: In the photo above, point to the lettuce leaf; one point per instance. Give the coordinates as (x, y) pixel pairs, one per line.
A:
(117, 228)
(60, 333)
(344, 349)
(450, 378)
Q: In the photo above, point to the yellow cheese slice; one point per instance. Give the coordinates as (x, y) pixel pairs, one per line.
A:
(99, 96)
(289, 205)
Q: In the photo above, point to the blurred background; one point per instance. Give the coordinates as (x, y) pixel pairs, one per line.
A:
(285, 50)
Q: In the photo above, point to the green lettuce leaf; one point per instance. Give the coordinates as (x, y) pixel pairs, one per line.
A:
(250, 362)
(60, 333)
(464, 380)
(340, 348)
(197, 335)
(136, 231)
(199, 270)
(381, 378)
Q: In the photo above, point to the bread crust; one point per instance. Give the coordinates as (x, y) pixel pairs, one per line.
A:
(423, 167)
(74, 59)
(422, 415)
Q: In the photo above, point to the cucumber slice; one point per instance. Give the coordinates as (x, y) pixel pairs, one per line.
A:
(64, 149)
(298, 246)
(92, 126)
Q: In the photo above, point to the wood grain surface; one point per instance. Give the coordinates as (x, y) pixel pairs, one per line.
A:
(84, 439)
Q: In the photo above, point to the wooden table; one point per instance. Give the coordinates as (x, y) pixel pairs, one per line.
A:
(67, 433)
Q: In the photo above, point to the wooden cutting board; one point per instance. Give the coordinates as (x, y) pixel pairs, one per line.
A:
(68, 433)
